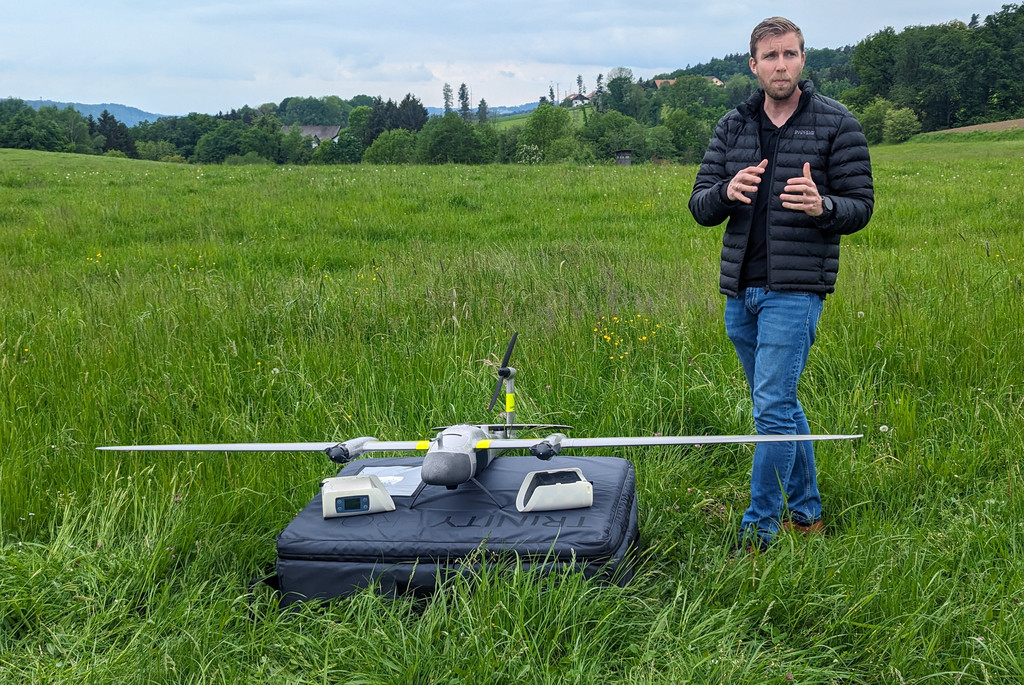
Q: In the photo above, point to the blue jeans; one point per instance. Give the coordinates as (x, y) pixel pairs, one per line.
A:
(773, 333)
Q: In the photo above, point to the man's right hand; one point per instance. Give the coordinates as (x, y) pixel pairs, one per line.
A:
(746, 181)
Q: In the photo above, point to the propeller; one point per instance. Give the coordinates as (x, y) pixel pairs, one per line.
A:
(503, 371)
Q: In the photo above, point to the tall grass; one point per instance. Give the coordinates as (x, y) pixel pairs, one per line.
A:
(162, 303)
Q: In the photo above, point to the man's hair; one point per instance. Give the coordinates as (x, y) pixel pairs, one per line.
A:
(771, 27)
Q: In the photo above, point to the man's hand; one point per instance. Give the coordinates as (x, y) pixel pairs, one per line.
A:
(801, 194)
(746, 181)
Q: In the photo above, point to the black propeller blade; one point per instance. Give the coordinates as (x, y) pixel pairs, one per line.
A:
(504, 368)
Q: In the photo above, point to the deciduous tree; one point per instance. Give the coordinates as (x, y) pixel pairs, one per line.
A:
(358, 120)
(545, 125)
(449, 139)
(397, 146)
(215, 146)
(296, 148)
(900, 125)
(348, 150)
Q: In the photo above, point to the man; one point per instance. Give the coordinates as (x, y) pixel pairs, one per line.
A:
(789, 169)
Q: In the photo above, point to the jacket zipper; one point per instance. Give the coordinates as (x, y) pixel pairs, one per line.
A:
(768, 210)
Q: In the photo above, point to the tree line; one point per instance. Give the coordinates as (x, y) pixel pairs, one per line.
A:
(948, 75)
(922, 78)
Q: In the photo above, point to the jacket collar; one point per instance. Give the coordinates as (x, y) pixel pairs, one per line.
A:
(751, 109)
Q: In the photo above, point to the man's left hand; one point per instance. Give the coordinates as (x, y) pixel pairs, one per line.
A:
(801, 194)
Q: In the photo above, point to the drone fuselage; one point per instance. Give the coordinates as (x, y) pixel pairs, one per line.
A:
(456, 455)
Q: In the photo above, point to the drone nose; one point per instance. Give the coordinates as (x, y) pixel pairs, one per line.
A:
(446, 468)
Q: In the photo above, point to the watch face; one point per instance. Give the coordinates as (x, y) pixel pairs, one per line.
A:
(826, 203)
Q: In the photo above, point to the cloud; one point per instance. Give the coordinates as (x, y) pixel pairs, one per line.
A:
(217, 55)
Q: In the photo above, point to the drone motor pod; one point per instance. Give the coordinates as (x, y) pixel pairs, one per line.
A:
(549, 447)
(344, 452)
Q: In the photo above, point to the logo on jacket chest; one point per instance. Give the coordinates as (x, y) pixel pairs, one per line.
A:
(803, 132)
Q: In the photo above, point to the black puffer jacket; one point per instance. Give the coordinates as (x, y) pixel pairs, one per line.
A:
(803, 252)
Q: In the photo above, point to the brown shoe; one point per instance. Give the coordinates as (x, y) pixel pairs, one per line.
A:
(745, 549)
(816, 528)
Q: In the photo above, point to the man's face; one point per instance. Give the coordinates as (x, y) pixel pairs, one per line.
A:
(778, 65)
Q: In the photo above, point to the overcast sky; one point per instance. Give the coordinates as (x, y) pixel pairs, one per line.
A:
(209, 56)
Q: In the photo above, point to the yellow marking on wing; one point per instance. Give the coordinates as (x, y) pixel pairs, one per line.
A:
(422, 444)
(483, 444)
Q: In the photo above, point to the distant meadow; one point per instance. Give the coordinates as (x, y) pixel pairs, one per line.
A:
(143, 302)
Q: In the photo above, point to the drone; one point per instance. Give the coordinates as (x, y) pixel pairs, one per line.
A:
(457, 454)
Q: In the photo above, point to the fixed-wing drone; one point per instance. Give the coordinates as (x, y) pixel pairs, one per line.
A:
(459, 453)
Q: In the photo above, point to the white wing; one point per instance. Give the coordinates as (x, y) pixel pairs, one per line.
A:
(580, 443)
(362, 445)
(376, 446)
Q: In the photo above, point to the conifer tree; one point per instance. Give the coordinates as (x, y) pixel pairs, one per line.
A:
(464, 110)
(447, 92)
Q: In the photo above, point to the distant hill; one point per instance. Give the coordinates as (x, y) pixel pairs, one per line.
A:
(129, 116)
(518, 109)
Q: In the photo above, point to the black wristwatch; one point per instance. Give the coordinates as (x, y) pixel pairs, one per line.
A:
(827, 207)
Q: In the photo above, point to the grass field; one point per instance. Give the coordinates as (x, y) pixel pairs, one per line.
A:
(576, 118)
(144, 302)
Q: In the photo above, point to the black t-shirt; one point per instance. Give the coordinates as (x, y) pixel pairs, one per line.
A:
(755, 261)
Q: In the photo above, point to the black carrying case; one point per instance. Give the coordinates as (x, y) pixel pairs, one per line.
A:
(411, 550)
